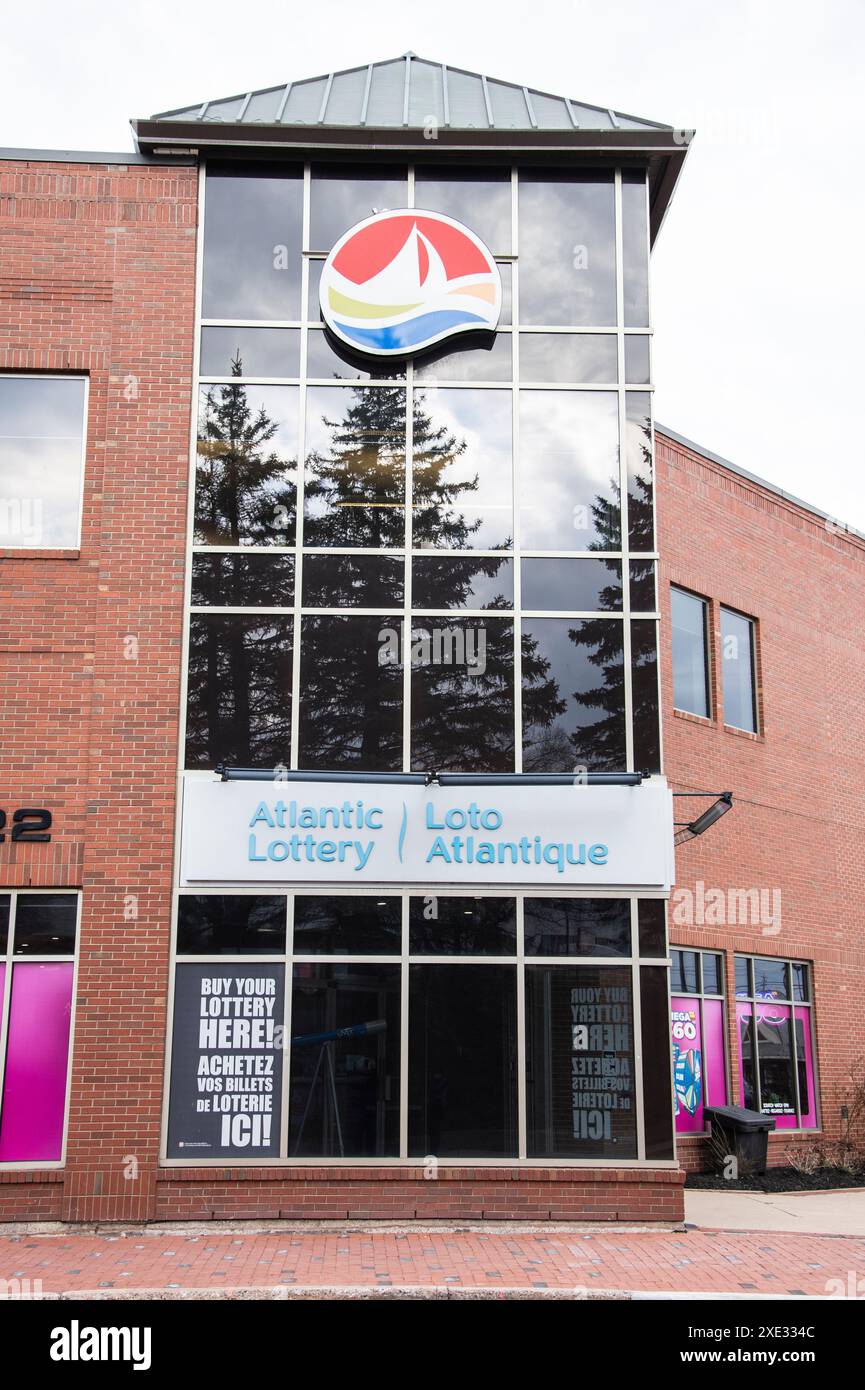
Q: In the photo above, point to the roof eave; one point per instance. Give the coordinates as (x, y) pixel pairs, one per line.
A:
(667, 149)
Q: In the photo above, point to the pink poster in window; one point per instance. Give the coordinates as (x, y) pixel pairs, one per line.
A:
(714, 1068)
(687, 1064)
(806, 1068)
(775, 1054)
(37, 1051)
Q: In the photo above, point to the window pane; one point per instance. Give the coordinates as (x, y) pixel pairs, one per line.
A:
(638, 458)
(462, 581)
(250, 352)
(462, 470)
(463, 1061)
(743, 976)
(775, 1057)
(355, 466)
(243, 581)
(252, 234)
(569, 470)
(572, 585)
(656, 1079)
(637, 366)
(246, 465)
(800, 982)
(463, 695)
(353, 581)
(41, 436)
(37, 1053)
(577, 927)
(479, 198)
(643, 597)
(209, 925)
(581, 1101)
(747, 1072)
(690, 684)
(573, 694)
(339, 926)
(45, 924)
(635, 248)
(351, 693)
(344, 1099)
(567, 248)
(805, 1063)
(568, 357)
(5, 902)
(770, 979)
(239, 696)
(737, 653)
(644, 689)
(463, 926)
(342, 195)
(652, 927)
(684, 977)
(713, 973)
(329, 359)
(488, 360)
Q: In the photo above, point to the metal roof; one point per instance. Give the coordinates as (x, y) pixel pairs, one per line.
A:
(408, 93)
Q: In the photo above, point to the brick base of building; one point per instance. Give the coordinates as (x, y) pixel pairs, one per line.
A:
(641, 1196)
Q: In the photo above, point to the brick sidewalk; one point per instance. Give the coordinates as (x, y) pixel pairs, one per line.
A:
(166, 1263)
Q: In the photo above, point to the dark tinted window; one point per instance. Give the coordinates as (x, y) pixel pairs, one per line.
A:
(462, 688)
(771, 978)
(243, 581)
(241, 925)
(462, 581)
(351, 693)
(643, 597)
(573, 694)
(239, 693)
(572, 585)
(652, 929)
(344, 1100)
(580, 1095)
(644, 688)
(343, 926)
(685, 977)
(713, 973)
(353, 581)
(5, 901)
(463, 926)
(655, 1022)
(45, 924)
(577, 927)
(640, 468)
(463, 1061)
(743, 976)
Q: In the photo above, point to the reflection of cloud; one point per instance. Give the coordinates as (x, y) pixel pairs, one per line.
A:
(41, 424)
(483, 420)
(556, 219)
(568, 454)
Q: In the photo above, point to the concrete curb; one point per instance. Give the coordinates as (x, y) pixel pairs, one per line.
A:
(286, 1293)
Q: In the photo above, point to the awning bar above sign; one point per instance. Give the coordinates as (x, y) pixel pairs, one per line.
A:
(436, 779)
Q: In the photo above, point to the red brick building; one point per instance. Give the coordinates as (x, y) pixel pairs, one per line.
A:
(105, 282)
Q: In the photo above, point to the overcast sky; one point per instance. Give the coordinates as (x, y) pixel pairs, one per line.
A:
(758, 278)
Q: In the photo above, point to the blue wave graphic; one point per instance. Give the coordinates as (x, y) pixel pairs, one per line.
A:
(414, 331)
(402, 831)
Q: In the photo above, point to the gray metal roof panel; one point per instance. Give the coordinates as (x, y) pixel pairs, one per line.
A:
(410, 91)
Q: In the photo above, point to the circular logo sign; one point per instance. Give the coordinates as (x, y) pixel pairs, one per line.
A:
(400, 281)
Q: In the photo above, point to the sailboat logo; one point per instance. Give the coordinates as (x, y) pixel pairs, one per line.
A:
(401, 281)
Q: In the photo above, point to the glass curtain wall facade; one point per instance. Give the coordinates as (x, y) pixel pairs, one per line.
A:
(447, 563)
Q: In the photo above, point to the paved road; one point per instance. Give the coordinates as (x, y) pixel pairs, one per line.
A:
(172, 1262)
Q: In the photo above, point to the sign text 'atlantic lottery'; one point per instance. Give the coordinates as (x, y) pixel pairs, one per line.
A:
(367, 833)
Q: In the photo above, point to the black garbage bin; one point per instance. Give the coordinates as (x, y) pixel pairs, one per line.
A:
(744, 1132)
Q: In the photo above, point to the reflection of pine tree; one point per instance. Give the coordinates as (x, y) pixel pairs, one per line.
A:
(640, 489)
(355, 490)
(244, 491)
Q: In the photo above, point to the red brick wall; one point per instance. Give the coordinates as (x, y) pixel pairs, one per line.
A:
(796, 824)
(98, 276)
